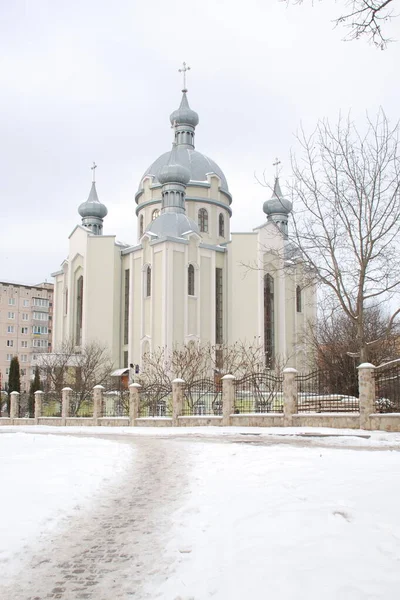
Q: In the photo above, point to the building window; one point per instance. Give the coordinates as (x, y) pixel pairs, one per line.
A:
(25, 316)
(24, 330)
(10, 343)
(40, 316)
(203, 220)
(155, 214)
(10, 328)
(125, 359)
(269, 321)
(141, 226)
(11, 315)
(26, 302)
(41, 302)
(148, 282)
(191, 280)
(221, 225)
(40, 329)
(79, 310)
(66, 302)
(218, 306)
(39, 344)
(11, 301)
(24, 344)
(126, 307)
(23, 372)
(298, 299)
(24, 358)
(9, 357)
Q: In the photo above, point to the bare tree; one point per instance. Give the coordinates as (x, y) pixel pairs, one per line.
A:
(364, 18)
(80, 371)
(347, 216)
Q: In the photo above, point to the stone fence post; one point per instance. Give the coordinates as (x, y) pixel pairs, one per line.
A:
(134, 399)
(65, 403)
(366, 386)
(228, 398)
(289, 395)
(97, 402)
(14, 405)
(38, 405)
(178, 386)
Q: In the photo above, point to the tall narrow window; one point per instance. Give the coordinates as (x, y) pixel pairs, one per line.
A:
(141, 226)
(126, 307)
(218, 306)
(79, 310)
(221, 225)
(155, 214)
(269, 321)
(203, 220)
(148, 282)
(298, 298)
(191, 280)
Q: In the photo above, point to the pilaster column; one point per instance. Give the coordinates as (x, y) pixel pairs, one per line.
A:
(65, 404)
(97, 402)
(38, 405)
(134, 399)
(366, 386)
(177, 400)
(14, 405)
(228, 398)
(289, 395)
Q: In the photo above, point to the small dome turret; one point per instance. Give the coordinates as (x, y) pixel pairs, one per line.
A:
(184, 115)
(174, 173)
(278, 208)
(93, 211)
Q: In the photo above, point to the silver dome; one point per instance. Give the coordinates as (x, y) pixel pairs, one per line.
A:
(184, 115)
(93, 207)
(277, 203)
(171, 224)
(174, 173)
(199, 166)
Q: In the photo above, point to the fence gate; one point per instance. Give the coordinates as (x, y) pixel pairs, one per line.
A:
(202, 397)
(259, 393)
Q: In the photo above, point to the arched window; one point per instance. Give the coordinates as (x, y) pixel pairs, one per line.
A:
(221, 225)
(79, 310)
(141, 226)
(155, 214)
(148, 282)
(269, 321)
(298, 298)
(203, 220)
(191, 280)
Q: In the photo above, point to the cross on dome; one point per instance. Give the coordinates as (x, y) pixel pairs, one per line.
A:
(94, 171)
(183, 70)
(276, 164)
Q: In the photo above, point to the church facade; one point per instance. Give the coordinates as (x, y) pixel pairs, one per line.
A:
(188, 279)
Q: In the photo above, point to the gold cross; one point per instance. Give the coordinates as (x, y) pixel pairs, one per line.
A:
(185, 68)
(276, 164)
(94, 170)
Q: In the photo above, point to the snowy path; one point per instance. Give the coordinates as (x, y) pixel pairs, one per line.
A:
(196, 519)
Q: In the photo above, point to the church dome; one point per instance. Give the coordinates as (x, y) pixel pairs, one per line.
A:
(184, 115)
(198, 164)
(93, 207)
(277, 204)
(174, 173)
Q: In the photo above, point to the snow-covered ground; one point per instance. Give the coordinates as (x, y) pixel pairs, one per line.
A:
(205, 513)
(45, 480)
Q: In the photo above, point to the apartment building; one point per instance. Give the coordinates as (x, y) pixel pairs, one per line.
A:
(26, 315)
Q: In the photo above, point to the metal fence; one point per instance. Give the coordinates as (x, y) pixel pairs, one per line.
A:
(81, 406)
(202, 397)
(320, 392)
(259, 393)
(51, 404)
(115, 403)
(387, 389)
(155, 401)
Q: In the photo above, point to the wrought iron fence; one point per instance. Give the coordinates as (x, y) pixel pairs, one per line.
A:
(81, 406)
(259, 393)
(115, 403)
(4, 404)
(321, 391)
(387, 389)
(155, 401)
(202, 397)
(51, 404)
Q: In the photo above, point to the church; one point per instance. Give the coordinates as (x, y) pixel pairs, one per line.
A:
(188, 278)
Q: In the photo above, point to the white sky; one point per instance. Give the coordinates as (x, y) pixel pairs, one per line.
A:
(96, 81)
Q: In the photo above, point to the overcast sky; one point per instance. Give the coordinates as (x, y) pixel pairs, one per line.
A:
(94, 80)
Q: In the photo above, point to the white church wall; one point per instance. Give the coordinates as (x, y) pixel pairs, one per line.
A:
(207, 308)
(136, 301)
(178, 293)
(158, 290)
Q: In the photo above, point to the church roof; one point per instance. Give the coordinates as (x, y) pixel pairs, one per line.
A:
(199, 166)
